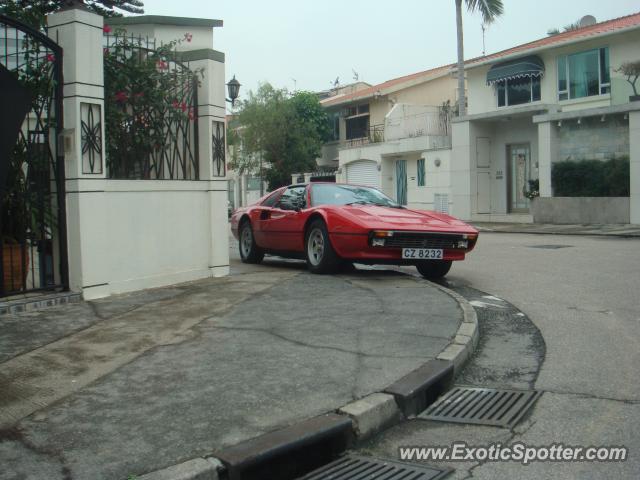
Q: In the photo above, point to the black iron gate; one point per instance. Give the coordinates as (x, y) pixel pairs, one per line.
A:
(33, 244)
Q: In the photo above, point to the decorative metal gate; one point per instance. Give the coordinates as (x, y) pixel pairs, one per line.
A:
(32, 222)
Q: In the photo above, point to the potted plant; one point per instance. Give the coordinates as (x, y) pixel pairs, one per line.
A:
(27, 214)
(534, 189)
(15, 252)
(632, 71)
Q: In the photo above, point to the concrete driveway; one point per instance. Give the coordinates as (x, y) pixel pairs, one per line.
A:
(135, 383)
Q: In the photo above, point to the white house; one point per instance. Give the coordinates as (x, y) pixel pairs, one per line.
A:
(396, 136)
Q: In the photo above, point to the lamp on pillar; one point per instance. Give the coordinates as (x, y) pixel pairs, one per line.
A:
(233, 88)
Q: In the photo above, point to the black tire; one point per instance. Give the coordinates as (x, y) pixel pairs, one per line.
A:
(321, 257)
(434, 269)
(347, 267)
(249, 251)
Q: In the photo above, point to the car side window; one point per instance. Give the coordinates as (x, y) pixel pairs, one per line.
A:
(292, 198)
(271, 199)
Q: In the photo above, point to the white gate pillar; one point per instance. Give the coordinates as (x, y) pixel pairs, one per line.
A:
(79, 32)
(461, 169)
(547, 154)
(212, 149)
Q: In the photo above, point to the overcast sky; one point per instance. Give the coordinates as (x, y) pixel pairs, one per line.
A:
(314, 42)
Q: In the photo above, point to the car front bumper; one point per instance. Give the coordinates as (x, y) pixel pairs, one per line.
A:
(357, 247)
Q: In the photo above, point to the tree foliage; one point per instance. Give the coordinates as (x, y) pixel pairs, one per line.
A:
(632, 71)
(567, 28)
(591, 178)
(33, 12)
(148, 101)
(281, 132)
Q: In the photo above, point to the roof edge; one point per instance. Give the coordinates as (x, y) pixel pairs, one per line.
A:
(165, 20)
(478, 62)
(437, 72)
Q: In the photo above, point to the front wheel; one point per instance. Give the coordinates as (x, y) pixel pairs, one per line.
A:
(434, 269)
(321, 258)
(249, 251)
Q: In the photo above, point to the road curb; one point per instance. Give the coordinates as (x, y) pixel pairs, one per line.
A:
(372, 414)
(294, 450)
(418, 389)
(466, 339)
(196, 469)
(588, 233)
(289, 452)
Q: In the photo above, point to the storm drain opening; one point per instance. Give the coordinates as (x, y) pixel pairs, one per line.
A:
(354, 467)
(482, 406)
(550, 247)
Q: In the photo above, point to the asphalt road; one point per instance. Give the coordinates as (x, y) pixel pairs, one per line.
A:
(135, 383)
(579, 344)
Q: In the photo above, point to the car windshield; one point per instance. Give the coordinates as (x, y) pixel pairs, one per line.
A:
(340, 194)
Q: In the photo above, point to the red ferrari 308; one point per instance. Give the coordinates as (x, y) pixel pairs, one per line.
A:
(330, 224)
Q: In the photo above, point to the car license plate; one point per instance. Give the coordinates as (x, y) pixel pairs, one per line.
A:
(422, 253)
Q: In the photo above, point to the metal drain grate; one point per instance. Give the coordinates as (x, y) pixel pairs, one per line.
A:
(482, 406)
(352, 467)
(550, 247)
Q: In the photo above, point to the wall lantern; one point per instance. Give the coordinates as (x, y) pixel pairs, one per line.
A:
(437, 162)
(233, 88)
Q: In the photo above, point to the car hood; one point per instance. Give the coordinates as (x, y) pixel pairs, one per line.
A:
(373, 216)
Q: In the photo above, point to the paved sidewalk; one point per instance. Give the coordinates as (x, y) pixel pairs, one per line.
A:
(135, 383)
(622, 230)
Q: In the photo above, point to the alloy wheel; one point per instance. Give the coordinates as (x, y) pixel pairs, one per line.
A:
(246, 241)
(315, 246)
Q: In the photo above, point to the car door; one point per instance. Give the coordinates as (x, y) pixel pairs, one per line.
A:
(260, 216)
(286, 220)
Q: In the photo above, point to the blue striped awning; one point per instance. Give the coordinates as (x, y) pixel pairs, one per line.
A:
(530, 66)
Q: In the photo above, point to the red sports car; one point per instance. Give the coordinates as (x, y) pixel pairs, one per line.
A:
(329, 224)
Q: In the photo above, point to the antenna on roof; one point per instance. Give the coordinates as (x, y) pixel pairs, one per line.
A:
(484, 27)
(355, 75)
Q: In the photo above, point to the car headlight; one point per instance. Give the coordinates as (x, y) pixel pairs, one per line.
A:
(377, 242)
(463, 244)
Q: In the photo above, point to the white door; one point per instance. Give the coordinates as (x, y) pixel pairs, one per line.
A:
(401, 182)
(363, 172)
(519, 168)
(484, 187)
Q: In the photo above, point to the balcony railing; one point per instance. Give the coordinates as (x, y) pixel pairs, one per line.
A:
(400, 124)
(375, 134)
(432, 121)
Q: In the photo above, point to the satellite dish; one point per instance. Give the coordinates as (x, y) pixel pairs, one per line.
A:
(587, 21)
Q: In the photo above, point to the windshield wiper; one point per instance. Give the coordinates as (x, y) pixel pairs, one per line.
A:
(377, 204)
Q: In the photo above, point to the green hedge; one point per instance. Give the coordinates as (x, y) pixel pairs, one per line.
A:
(591, 178)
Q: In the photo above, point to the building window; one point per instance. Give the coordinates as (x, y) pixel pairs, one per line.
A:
(421, 172)
(584, 74)
(517, 91)
(357, 121)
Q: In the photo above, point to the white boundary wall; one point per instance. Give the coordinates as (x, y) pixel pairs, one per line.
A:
(126, 235)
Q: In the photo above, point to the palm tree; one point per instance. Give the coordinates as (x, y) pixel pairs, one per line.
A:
(489, 9)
